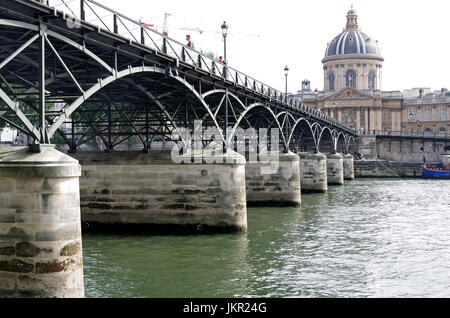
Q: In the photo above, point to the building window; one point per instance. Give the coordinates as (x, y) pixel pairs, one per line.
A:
(441, 113)
(371, 80)
(442, 131)
(331, 82)
(351, 78)
(427, 114)
(386, 113)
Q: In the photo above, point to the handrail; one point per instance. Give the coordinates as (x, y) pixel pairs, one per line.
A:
(406, 133)
(188, 55)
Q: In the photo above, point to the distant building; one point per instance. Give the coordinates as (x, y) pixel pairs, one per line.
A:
(353, 77)
(7, 135)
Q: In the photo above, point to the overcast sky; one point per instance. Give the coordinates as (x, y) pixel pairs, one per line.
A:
(265, 36)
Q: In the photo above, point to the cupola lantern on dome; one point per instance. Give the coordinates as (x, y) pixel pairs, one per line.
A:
(352, 20)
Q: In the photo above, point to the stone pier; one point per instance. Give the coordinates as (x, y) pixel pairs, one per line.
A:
(349, 167)
(313, 172)
(335, 169)
(274, 182)
(149, 193)
(40, 228)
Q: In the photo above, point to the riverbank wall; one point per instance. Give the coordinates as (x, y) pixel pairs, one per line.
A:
(378, 168)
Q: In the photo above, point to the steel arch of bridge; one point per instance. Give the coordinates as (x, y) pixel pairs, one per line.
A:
(43, 51)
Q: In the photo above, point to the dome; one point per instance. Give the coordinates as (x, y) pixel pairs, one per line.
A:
(352, 42)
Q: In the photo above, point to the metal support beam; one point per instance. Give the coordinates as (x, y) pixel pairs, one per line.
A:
(225, 126)
(42, 126)
(82, 11)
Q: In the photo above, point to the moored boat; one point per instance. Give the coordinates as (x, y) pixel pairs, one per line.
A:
(435, 172)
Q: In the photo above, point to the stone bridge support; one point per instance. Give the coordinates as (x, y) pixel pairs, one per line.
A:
(335, 169)
(313, 171)
(132, 191)
(349, 167)
(274, 180)
(40, 229)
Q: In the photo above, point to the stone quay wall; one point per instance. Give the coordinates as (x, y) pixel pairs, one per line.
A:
(386, 169)
(280, 188)
(410, 150)
(123, 189)
(40, 228)
(401, 149)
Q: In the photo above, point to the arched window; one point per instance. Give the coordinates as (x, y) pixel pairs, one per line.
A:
(331, 81)
(371, 80)
(351, 78)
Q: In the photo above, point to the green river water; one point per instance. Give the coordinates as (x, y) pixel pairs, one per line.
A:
(369, 238)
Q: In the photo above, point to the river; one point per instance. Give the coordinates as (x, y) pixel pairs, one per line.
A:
(369, 238)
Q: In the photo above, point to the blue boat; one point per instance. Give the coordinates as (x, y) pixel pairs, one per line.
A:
(435, 172)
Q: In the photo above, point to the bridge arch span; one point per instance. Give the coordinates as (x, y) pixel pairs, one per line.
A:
(246, 116)
(327, 140)
(70, 109)
(303, 135)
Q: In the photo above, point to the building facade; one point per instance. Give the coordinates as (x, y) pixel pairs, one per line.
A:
(353, 78)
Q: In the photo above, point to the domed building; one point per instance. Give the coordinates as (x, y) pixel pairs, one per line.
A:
(352, 59)
(353, 78)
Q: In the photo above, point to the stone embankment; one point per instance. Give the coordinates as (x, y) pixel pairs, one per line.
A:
(386, 169)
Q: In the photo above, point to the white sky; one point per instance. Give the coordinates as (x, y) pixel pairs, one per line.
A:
(412, 35)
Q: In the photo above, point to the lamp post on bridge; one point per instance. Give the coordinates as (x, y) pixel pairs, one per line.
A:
(286, 73)
(316, 95)
(225, 129)
(225, 33)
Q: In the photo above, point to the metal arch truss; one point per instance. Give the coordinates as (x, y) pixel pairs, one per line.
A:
(88, 85)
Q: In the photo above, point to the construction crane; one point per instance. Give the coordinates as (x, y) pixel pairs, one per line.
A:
(165, 28)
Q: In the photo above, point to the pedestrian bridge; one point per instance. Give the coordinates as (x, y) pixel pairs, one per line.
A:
(114, 79)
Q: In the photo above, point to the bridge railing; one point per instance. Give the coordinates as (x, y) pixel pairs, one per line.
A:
(406, 133)
(108, 19)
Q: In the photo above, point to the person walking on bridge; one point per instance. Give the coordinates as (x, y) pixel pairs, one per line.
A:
(190, 43)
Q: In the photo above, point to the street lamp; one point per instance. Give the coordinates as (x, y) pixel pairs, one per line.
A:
(286, 73)
(224, 33)
(316, 94)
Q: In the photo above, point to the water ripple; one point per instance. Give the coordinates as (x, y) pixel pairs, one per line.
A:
(370, 238)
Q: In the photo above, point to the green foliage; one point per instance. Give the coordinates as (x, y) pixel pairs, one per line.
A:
(210, 54)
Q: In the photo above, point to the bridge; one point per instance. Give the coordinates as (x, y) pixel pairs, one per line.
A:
(65, 79)
(118, 78)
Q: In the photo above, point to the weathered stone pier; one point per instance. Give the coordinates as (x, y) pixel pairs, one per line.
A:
(335, 169)
(313, 171)
(274, 180)
(135, 191)
(40, 229)
(349, 167)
